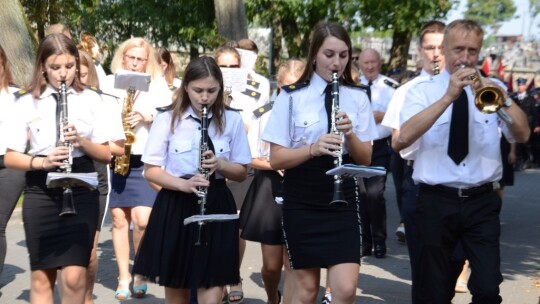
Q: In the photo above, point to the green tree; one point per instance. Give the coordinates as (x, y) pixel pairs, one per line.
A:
(403, 19)
(291, 22)
(491, 13)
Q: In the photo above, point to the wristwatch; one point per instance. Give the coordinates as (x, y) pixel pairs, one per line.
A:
(508, 102)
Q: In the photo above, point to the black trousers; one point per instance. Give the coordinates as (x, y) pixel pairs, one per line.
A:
(443, 220)
(408, 216)
(372, 201)
(397, 167)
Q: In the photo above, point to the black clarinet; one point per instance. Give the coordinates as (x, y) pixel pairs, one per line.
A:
(68, 207)
(338, 197)
(202, 192)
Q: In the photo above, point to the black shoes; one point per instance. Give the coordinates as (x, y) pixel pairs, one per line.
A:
(380, 251)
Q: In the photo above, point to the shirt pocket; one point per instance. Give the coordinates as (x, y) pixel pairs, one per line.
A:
(42, 132)
(437, 136)
(222, 148)
(182, 155)
(304, 125)
(485, 126)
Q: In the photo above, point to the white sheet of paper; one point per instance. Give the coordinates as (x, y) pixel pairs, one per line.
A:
(234, 79)
(247, 59)
(356, 171)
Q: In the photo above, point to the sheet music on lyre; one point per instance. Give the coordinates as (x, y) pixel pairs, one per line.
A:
(234, 79)
(210, 218)
(61, 179)
(350, 170)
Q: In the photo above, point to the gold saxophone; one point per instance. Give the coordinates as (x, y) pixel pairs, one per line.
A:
(121, 163)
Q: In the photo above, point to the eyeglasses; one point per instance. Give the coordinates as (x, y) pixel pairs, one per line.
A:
(432, 48)
(234, 66)
(134, 59)
(354, 58)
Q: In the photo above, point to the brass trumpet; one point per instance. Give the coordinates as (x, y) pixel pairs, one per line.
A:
(487, 99)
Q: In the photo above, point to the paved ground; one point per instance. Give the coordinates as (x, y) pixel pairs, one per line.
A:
(380, 280)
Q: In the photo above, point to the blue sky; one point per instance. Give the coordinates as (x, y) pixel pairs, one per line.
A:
(515, 26)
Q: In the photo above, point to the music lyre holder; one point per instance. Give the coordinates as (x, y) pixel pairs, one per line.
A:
(126, 80)
(202, 219)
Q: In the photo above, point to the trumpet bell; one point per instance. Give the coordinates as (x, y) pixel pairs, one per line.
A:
(489, 99)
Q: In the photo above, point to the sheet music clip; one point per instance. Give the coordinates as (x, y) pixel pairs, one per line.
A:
(125, 80)
(62, 179)
(350, 170)
(210, 218)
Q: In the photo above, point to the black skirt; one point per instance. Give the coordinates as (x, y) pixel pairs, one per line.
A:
(168, 255)
(260, 216)
(54, 241)
(317, 234)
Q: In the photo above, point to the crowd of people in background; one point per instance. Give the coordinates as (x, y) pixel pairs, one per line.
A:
(249, 164)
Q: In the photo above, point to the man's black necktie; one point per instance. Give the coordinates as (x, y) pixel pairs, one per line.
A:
(328, 104)
(458, 142)
(368, 90)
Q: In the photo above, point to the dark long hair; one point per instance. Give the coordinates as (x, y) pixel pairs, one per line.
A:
(320, 32)
(199, 68)
(53, 44)
(5, 79)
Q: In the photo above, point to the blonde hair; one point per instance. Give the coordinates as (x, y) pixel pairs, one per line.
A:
(152, 66)
(293, 67)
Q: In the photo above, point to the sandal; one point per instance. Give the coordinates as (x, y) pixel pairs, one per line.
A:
(122, 291)
(140, 286)
(236, 296)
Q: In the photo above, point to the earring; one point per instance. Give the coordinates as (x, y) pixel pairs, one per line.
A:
(314, 64)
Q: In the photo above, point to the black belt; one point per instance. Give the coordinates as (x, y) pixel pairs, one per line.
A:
(461, 192)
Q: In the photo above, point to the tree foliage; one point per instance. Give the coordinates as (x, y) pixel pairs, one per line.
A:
(490, 13)
(404, 19)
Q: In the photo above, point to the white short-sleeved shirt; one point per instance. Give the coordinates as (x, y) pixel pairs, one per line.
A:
(430, 152)
(158, 95)
(381, 94)
(178, 152)
(309, 119)
(113, 110)
(7, 103)
(391, 117)
(37, 118)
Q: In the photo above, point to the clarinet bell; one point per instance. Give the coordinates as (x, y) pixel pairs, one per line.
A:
(338, 197)
(68, 208)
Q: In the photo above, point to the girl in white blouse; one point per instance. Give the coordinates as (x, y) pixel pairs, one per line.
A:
(168, 255)
(56, 242)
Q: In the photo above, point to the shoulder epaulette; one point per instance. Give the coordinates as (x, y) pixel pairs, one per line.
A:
(95, 89)
(232, 109)
(100, 92)
(253, 83)
(172, 88)
(360, 86)
(391, 84)
(164, 109)
(252, 93)
(263, 109)
(20, 93)
(295, 86)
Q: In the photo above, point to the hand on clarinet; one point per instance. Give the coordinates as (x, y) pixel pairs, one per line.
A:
(344, 124)
(56, 158)
(327, 144)
(192, 185)
(211, 162)
(71, 135)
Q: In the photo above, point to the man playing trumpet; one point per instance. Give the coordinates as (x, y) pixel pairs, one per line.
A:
(457, 163)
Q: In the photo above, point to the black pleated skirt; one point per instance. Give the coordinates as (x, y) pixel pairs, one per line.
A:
(168, 255)
(260, 216)
(317, 234)
(54, 241)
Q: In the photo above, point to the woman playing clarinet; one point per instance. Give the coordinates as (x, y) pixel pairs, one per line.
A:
(168, 254)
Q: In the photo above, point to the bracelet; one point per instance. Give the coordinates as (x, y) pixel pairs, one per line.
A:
(31, 160)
